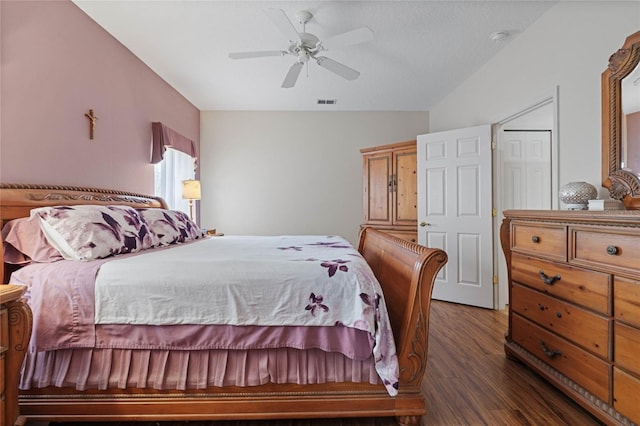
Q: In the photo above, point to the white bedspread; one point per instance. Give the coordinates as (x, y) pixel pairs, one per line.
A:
(284, 280)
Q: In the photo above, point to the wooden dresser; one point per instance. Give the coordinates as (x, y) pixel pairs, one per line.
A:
(15, 331)
(574, 304)
(390, 189)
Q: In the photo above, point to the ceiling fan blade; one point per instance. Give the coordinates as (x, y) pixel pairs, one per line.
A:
(357, 36)
(258, 54)
(292, 75)
(338, 68)
(280, 19)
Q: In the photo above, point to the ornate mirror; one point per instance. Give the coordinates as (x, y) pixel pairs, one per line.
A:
(621, 124)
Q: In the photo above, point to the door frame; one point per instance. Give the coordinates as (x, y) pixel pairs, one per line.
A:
(499, 265)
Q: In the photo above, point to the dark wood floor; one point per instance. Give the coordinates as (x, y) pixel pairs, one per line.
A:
(468, 382)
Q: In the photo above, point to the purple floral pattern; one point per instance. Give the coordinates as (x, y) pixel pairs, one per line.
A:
(331, 244)
(373, 315)
(169, 226)
(373, 304)
(335, 265)
(89, 232)
(315, 304)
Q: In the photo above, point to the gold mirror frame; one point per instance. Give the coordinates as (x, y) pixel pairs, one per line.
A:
(622, 184)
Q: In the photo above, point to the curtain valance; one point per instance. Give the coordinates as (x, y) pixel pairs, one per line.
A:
(164, 137)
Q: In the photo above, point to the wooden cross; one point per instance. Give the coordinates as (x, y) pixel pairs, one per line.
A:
(92, 122)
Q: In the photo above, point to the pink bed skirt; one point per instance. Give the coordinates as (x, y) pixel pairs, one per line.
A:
(197, 369)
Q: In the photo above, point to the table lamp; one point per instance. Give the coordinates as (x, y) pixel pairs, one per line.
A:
(191, 191)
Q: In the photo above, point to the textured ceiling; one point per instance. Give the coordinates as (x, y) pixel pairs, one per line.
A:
(421, 49)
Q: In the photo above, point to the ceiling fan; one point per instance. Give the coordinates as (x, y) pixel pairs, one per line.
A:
(306, 46)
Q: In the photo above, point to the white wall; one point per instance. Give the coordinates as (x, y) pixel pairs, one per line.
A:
(271, 173)
(540, 118)
(568, 47)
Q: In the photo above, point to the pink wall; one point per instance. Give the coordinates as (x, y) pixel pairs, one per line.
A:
(57, 63)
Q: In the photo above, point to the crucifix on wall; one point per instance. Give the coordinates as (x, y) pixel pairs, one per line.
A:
(92, 122)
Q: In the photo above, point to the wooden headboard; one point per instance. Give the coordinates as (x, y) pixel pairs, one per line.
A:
(17, 200)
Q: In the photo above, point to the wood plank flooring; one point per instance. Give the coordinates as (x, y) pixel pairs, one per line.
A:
(469, 381)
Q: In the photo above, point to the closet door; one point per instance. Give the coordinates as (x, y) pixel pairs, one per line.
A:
(405, 191)
(378, 188)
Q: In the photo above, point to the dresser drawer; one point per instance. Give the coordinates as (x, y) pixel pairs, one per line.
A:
(549, 241)
(608, 249)
(577, 364)
(584, 328)
(626, 389)
(626, 300)
(580, 286)
(626, 344)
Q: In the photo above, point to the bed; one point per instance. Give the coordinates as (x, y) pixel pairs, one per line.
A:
(405, 272)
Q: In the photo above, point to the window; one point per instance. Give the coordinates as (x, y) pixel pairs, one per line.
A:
(169, 173)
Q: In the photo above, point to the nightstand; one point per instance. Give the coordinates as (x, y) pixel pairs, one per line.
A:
(15, 331)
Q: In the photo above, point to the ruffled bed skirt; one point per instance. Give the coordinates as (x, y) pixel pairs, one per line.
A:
(198, 369)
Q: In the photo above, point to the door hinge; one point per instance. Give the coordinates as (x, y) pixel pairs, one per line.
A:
(494, 145)
(494, 212)
(495, 280)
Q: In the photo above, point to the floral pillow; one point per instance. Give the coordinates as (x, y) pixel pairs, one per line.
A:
(169, 226)
(24, 242)
(88, 232)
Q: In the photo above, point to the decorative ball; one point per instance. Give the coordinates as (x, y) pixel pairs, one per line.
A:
(576, 195)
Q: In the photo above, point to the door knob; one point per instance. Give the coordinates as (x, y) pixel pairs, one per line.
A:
(424, 224)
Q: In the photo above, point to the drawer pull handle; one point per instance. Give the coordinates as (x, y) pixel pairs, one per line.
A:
(612, 250)
(559, 314)
(535, 239)
(541, 307)
(548, 352)
(547, 279)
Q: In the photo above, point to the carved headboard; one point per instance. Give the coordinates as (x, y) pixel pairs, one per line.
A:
(17, 200)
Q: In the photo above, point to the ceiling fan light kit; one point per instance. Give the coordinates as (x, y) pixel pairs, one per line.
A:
(306, 46)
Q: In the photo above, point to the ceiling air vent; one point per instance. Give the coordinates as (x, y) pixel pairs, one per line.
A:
(327, 101)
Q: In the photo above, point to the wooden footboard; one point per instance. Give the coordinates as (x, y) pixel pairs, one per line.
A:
(405, 270)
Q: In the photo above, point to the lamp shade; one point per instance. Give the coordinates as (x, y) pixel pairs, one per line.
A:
(191, 190)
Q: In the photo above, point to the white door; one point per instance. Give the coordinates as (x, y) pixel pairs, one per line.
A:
(525, 162)
(454, 211)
